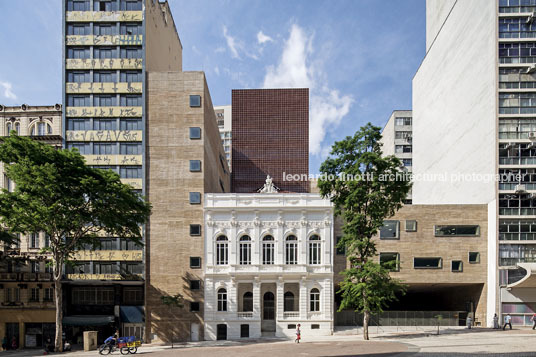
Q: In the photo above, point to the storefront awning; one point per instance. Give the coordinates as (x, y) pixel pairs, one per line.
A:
(529, 280)
(88, 320)
(132, 314)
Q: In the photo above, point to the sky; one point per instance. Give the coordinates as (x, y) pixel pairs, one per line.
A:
(357, 57)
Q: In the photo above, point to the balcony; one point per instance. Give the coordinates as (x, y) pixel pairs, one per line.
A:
(111, 63)
(103, 88)
(113, 159)
(105, 16)
(104, 112)
(104, 135)
(245, 315)
(105, 40)
(291, 315)
(9, 276)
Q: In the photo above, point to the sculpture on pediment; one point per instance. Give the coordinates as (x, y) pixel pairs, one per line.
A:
(269, 186)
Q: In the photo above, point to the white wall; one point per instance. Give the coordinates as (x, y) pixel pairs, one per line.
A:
(436, 13)
(454, 115)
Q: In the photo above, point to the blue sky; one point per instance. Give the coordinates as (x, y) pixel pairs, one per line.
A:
(358, 57)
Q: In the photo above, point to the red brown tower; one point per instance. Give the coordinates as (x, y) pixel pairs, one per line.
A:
(270, 137)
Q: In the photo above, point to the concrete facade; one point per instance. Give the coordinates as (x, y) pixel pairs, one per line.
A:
(225, 121)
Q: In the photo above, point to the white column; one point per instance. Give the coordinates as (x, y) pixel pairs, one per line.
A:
(232, 300)
(279, 299)
(303, 299)
(233, 243)
(256, 299)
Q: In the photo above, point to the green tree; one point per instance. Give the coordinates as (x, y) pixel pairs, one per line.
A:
(365, 188)
(57, 193)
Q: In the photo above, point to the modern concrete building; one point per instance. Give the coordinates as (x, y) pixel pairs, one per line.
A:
(269, 265)
(270, 137)
(225, 121)
(27, 310)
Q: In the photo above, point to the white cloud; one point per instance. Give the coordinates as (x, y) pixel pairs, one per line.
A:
(220, 50)
(327, 106)
(262, 38)
(231, 43)
(7, 91)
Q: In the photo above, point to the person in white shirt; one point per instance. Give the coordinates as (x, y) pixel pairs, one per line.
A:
(507, 321)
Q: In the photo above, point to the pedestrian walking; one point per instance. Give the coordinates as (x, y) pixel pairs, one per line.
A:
(507, 321)
(533, 319)
(495, 322)
(298, 334)
(14, 343)
(469, 322)
(4, 344)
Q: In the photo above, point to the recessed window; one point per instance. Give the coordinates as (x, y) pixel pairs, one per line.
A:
(195, 229)
(195, 262)
(457, 266)
(389, 230)
(390, 261)
(195, 101)
(195, 198)
(457, 230)
(474, 257)
(195, 284)
(244, 330)
(195, 165)
(411, 226)
(427, 263)
(315, 327)
(291, 326)
(195, 133)
(194, 306)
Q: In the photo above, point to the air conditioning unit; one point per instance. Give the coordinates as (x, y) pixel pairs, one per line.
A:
(531, 68)
(532, 136)
(520, 188)
(530, 18)
(510, 145)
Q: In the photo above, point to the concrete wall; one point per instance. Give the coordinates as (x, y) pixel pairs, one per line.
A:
(162, 43)
(388, 136)
(454, 108)
(436, 14)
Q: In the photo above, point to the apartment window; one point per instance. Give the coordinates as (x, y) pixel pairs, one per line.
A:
(83, 148)
(314, 300)
(131, 268)
(104, 124)
(402, 148)
(247, 302)
(222, 300)
(402, 121)
(49, 294)
(127, 244)
(195, 165)
(78, 5)
(194, 306)
(131, 100)
(34, 297)
(268, 250)
(130, 172)
(195, 229)
(222, 250)
(104, 52)
(291, 250)
(34, 240)
(390, 230)
(11, 295)
(35, 266)
(456, 266)
(390, 261)
(195, 284)
(78, 100)
(245, 250)
(427, 263)
(105, 5)
(411, 226)
(340, 250)
(77, 53)
(131, 76)
(104, 149)
(78, 124)
(195, 198)
(407, 162)
(288, 304)
(103, 29)
(47, 241)
(314, 249)
(131, 29)
(195, 262)
(402, 134)
(195, 101)
(105, 268)
(458, 230)
(130, 148)
(474, 257)
(104, 76)
(104, 100)
(131, 52)
(195, 133)
(130, 124)
(131, 5)
(78, 77)
(133, 295)
(41, 129)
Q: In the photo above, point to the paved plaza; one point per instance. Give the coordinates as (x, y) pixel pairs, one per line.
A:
(419, 342)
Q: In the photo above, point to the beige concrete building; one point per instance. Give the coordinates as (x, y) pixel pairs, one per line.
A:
(185, 161)
(26, 290)
(225, 121)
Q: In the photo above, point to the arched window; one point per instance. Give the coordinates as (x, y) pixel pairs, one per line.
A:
(41, 129)
(314, 249)
(9, 127)
(291, 250)
(314, 300)
(17, 128)
(245, 250)
(222, 250)
(268, 250)
(289, 302)
(222, 300)
(247, 302)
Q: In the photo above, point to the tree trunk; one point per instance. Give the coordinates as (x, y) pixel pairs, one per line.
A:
(366, 318)
(59, 308)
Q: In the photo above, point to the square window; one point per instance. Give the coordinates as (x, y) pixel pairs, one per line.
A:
(195, 229)
(291, 326)
(390, 230)
(457, 266)
(195, 198)
(474, 257)
(315, 327)
(195, 165)
(411, 226)
(194, 306)
(195, 262)
(195, 284)
(390, 261)
(195, 101)
(195, 133)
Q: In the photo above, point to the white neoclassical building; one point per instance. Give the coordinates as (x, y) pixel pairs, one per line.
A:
(268, 265)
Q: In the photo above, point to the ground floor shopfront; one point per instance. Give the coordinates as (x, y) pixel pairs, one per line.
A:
(29, 327)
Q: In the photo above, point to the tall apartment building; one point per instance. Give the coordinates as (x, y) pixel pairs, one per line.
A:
(225, 121)
(109, 47)
(27, 310)
(270, 137)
